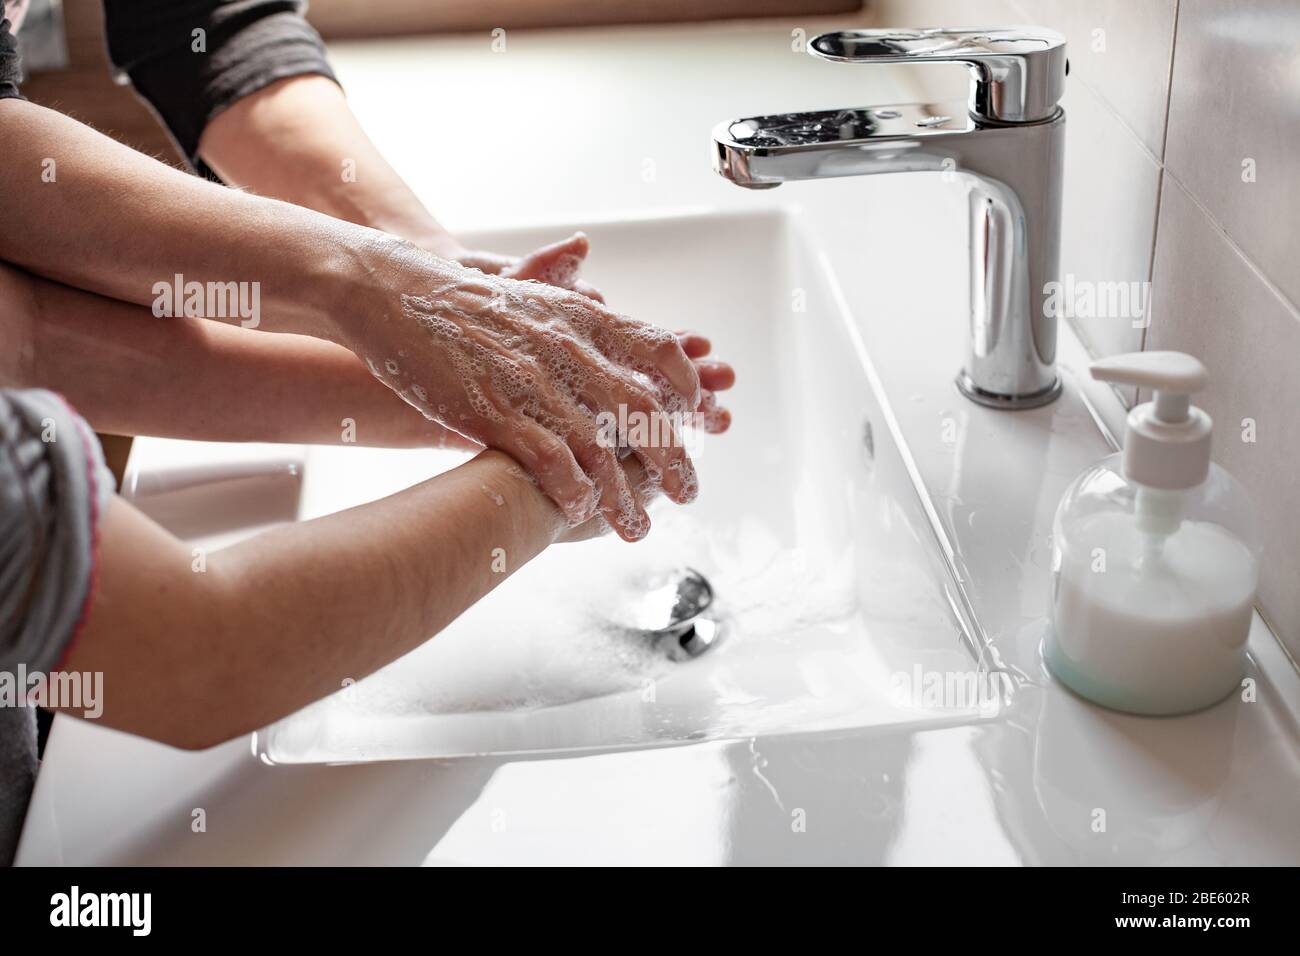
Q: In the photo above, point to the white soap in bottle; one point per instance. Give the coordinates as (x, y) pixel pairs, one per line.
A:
(1155, 557)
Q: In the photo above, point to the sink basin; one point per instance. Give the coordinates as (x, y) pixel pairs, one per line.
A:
(829, 586)
(220, 494)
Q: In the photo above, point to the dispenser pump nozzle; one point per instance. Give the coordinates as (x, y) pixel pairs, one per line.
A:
(1167, 442)
(1174, 376)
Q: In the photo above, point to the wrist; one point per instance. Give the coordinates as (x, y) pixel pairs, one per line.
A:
(365, 279)
(507, 484)
(395, 210)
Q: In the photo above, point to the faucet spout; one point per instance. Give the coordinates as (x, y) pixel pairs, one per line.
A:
(1012, 172)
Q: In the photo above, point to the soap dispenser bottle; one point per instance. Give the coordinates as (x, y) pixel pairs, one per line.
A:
(1155, 556)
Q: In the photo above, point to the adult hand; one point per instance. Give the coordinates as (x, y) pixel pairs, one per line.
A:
(526, 368)
(715, 377)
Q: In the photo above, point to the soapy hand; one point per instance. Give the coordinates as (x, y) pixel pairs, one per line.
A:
(557, 264)
(526, 368)
(714, 377)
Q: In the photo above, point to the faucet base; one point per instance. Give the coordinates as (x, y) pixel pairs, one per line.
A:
(966, 385)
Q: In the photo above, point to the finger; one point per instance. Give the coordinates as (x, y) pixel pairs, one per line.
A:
(645, 485)
(715, 376)
(556, 264)
(693, 344)
(640, 480)
(642, 486)
(553, 465)
(620, 506)
(595, 448)
(583, 287)
(653, 351)
(646, 348)
(629, 405)
(652, 436)
(712, 417)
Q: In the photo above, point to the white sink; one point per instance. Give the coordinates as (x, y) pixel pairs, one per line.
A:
(843, 590)
(913, 786)
(808, 527)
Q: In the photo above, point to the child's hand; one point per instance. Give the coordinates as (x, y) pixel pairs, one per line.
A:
(557, 264)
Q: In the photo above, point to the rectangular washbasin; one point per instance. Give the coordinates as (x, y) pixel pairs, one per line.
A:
(829, 584)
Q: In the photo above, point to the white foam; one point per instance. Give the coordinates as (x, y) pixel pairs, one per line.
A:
(554, 632)
(531, 350)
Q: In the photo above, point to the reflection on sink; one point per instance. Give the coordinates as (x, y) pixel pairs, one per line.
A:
(223, 494)
(808, 528)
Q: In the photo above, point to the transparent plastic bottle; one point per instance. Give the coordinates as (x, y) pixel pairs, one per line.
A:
(1156, 558)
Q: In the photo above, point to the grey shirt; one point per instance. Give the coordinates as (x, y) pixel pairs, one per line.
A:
(191, 59)
(53, 488)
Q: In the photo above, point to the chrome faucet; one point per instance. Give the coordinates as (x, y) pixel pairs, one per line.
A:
(1005, 144)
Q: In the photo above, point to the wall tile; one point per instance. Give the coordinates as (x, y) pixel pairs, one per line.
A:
(1119, 48)
(1130, 71)
(1209, 301)
(1236, 96)
(1111, 193)
(942, 13)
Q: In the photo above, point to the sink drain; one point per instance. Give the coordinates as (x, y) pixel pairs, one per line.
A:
(699, 636)
(672, 610)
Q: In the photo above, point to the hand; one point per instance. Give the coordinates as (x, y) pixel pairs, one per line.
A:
(638, 479)
(557, 264)
(714, 377)
(526, 368)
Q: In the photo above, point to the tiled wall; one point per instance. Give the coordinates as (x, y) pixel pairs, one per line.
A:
(1183, 169)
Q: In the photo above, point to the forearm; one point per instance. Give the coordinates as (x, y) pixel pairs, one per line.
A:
(297, 140)
(272, 624)
(526, 367)
(113, 221)
(133, 374)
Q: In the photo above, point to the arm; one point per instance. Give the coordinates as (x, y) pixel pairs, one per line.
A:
(194, 659)
(259, 104)
(476, 353)
(297, 140)
(187, 378)
(85, 211)
(202, 380)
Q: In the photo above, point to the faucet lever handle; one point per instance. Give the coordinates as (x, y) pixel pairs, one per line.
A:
(1018, 72)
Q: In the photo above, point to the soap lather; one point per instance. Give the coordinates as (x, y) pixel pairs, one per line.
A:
(1155, 557)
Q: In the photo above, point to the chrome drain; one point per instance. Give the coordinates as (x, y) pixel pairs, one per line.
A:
(673, 611)
(699, 636)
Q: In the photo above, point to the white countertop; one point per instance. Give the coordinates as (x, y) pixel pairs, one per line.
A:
(600, 124)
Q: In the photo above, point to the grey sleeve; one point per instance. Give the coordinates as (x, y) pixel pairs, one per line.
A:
(11, 70)
(193, 58)
(53, 487)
